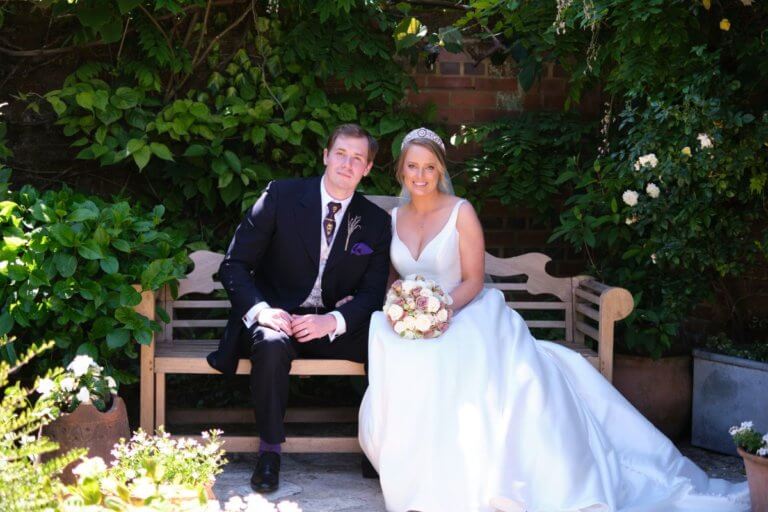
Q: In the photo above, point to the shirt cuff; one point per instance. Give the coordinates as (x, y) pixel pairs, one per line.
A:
(341, 325)
(250, 317)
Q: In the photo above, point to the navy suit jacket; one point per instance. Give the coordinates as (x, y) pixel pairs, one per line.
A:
(274, 256)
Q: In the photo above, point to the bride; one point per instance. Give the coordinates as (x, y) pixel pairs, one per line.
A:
(484, 416)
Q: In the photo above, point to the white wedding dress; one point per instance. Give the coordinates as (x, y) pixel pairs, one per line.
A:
(485, 411)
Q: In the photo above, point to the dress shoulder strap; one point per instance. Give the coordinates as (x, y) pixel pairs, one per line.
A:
(455, 212)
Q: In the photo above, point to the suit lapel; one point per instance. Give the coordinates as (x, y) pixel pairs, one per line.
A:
(338, 249)
(307, 213)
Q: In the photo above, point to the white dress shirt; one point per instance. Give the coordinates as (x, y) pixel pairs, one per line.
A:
(315, 296)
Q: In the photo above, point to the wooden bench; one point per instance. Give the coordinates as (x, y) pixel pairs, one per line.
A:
(570, 311)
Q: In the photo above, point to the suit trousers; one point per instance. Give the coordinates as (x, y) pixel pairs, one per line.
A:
(271, 355)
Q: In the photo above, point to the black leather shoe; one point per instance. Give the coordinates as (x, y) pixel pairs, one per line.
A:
(367, 468)
(266, 476)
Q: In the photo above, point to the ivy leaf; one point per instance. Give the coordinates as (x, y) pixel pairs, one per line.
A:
(63, 234)
(195, 150)
(161, 151)
(232, 161)
(82, 214)
(258, 133)
(65, 264)
(129, 297)
(90, 250)
(317, 99)
(118, 338)
(121, 245)
(109, 265)
(225, 179)
(279, 132)
(141, 157)
(316, 128)
(85, 100)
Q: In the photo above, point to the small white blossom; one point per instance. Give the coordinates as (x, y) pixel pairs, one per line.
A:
(410, 323)
(288, 506)
(648, 160)
(765, 439)
(630, 220)
(652, 190)
(653, 258)
(143, 488)
(84, 395)
(423, 323)
(433, 305)
(45, 386)
(234, 504)
(90, 467)
(425, 292)
(399, 327)
(442, 315)
(68, 384)
(111, 383)
(630, 197)
(704, 141)
(80, 364)
(762, 452)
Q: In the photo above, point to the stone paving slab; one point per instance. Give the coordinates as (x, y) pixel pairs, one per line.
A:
(333, 482)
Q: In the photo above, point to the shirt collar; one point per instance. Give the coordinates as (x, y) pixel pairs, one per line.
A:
(327, 198)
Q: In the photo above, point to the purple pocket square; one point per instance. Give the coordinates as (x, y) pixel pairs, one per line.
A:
(361, 249)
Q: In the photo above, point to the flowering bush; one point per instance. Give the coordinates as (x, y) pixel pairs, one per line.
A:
(750, 440)
(417, 308)
(181, 461)
(82, 383)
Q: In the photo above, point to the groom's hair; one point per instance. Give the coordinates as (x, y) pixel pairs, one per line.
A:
(357, 131)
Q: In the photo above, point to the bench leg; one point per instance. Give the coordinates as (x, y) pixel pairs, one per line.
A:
(159, 399)
(147, 400)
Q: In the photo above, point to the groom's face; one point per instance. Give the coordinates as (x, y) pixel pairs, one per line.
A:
(346, 163)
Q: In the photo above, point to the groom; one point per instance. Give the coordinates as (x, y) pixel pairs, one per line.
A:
(304, 246)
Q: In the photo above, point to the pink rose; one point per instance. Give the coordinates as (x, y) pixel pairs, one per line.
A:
(442, 326)
(398, 286)
(421, 303)
(399, 301)
(415, 291)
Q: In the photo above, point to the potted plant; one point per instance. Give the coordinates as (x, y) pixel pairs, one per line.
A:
(92, 415)
(726, 378)
(147, 470)
(753, 448)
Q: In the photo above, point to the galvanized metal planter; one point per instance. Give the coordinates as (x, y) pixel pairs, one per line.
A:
(726, 391)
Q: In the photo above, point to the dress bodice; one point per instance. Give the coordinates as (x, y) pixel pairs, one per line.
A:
(439, 259)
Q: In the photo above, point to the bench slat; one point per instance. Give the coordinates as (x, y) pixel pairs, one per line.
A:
(242, 415)
(588, 330)
(291, 444)
(546, 323)
(591, 297)
(184, 304)
(590, 312)
(208, 322)
(537, 305)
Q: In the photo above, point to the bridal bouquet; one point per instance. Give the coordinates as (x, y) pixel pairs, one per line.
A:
(417, 308)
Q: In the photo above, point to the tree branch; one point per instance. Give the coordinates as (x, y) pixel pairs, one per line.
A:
(48, 51)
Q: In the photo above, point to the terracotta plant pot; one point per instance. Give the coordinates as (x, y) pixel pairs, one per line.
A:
(757, 476)
(87, 427)
(660, 389)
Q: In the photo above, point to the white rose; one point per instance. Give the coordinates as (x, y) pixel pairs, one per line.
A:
(442, 315)
(408, 286)
(423, 323)
(409, 335)
(433, 304)
(395, 312)
(630, 197)
(84, 396)
(399, 327)
(90, 467)
(704, 141)
(410, 303)
(649, 160)
(430, 284)
(45, 386)
(652, 190)
(426, 292)
(68, 384)
(80, 364)
(410, 323)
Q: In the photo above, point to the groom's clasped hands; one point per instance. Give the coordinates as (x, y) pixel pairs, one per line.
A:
(303, 328)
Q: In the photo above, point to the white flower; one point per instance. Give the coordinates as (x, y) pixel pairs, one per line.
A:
(84, 395)
(765, 439)
(234, 504)
(704, 141)
(80, 364)
(408, 286)
(433, 305)
(652, 190)
(395, 312)
(648, 160)
(399, 327)
(630, 197)
(111, 383)
(423, 323)
(410, 303)
(68, 384)
(90, 467)
(762, 452)
(409, 335)
(288, 506)
(630, 220)
(143, 488)
(45, 386)
(410, 323)
(653, 258)
(425, 292)
(442, 315)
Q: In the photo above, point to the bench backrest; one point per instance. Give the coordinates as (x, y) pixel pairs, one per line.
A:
(555, 308)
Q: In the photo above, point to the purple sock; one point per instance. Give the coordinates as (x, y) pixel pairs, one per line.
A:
(269, 447)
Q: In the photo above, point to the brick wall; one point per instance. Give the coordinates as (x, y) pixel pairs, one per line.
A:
(466, 93)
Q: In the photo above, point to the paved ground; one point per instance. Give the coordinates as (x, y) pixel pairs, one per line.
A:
(332, 482)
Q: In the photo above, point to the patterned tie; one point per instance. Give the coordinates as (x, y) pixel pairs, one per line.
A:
(329, 222)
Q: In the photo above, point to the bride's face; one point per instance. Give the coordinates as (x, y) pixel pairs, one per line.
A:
(421, 171)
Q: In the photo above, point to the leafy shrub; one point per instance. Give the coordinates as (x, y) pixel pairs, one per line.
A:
(68, 264)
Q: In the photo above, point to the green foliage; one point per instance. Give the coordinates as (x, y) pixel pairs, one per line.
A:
(68, 264)
(521, 159)
(750, 440)
(26, 483)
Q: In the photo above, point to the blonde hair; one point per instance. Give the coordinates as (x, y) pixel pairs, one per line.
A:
(435, 149)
